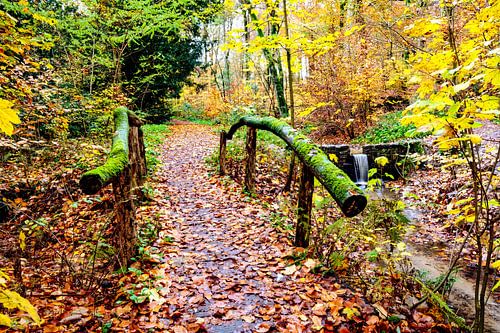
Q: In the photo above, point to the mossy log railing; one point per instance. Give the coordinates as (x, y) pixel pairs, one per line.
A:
(315, 163)
(125, 169)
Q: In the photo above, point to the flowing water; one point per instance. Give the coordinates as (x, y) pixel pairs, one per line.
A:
(361, 169)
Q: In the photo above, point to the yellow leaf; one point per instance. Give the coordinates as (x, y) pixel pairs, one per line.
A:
(3, 278)
(401, 246)
(333, 157)
(12, 300)
(474, 138)
(5, 320)
(8, 116)
(381, 160)
(353, 30)
(350, 312)
(22, 240)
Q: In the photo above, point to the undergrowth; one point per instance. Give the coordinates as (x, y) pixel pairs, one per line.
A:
(388, 129)
(154, 135)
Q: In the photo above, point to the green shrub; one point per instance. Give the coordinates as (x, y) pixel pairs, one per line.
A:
(388, 129)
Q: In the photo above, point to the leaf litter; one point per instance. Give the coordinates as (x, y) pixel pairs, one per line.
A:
(216, 264)
(226, 269)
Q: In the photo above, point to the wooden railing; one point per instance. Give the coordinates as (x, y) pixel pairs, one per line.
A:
(125, 169)
(315, 163)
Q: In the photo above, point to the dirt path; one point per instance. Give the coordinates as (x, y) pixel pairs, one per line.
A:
(224, 271)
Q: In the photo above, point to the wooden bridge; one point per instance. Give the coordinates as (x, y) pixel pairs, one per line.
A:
(125, 169)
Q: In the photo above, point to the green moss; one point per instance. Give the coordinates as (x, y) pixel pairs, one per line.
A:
(93, 180)
(348, 196)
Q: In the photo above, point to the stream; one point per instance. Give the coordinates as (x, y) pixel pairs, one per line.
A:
(461, 296)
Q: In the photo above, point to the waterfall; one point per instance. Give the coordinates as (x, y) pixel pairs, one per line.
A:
(361, 169)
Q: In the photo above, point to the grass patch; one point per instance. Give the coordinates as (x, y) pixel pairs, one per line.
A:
(186, 111)
(154, 135)
(264, 138)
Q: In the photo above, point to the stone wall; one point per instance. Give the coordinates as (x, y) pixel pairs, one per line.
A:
(344, 157)
(395, 153)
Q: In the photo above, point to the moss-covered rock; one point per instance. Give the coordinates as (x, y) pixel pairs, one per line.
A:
(348, 196)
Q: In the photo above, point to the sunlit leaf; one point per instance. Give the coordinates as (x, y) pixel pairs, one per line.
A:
(22, 240)
(8, 117)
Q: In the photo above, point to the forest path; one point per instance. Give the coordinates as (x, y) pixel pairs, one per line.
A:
(224, 270)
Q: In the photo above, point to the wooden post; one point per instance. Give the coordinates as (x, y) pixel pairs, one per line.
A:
(222, 153)
(125, 234)
(251, 148)
(291, 171)
(134, 155)
(143, 168)
(304, 208)
(137, 155)
(125, 168)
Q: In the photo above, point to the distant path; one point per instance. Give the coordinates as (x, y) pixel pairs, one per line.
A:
(224, 271)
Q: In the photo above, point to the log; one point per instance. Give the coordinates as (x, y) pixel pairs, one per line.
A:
(92, 181)
(348, 196)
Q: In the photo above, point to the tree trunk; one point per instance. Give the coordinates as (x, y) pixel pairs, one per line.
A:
(348, 196)
(304, 207)
(291, 169)
(251, 149)
(143, 167)
(274, 69)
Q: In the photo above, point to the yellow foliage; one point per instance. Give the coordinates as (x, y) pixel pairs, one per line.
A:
(381, 160)
(8, 117)
(457, 82)
(50, 21)
(12, 300)
(5, 320)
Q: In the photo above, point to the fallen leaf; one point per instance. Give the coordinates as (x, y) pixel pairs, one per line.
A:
(319, 309)
(289, 270)
(180, 329)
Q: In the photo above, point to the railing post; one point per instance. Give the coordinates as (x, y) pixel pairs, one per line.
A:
(135, 163)
(125, 168)
(251, 147)
(125, 216)
(304, 207)
(222, 153)
(143, 168)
